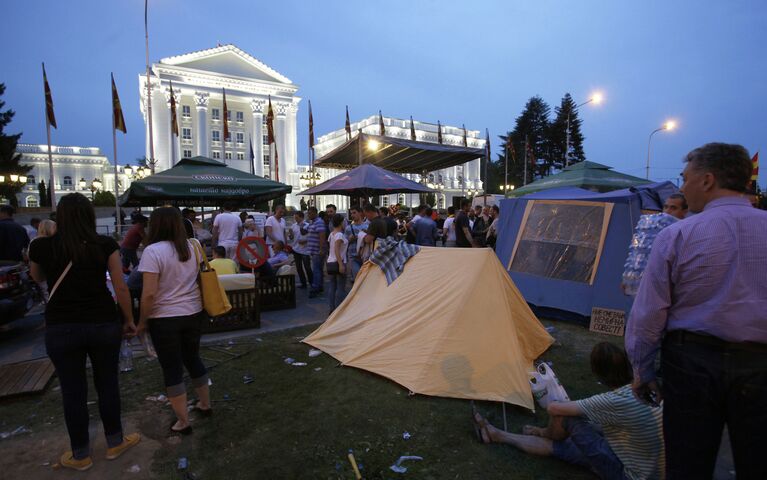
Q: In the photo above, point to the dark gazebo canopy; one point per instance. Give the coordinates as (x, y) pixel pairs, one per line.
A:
(397, 154)
(367, 180)
(201, 181)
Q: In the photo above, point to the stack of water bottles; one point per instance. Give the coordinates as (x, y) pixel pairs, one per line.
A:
(646, 230)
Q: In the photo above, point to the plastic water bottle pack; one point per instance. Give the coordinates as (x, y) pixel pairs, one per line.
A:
(646, 231)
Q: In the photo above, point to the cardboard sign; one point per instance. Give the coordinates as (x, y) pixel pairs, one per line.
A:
(252, 252)
(605, 320)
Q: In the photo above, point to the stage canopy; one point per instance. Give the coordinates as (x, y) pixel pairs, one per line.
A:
(397, 154)
(201, 181)
(367, 181)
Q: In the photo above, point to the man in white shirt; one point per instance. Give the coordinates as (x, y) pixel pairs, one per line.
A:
(301, 250)
(448, 229)
(274, 229)
(227, 230)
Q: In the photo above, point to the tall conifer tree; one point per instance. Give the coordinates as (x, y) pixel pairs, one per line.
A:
(9, 159)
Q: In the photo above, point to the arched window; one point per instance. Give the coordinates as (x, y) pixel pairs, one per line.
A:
(439, 178)
(30, 180)
(31, 201)
(431, 178)
(67, 181)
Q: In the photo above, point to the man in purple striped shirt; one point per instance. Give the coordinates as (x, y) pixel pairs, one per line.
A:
(703, 303)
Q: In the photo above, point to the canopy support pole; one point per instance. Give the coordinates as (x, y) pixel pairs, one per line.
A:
(503, 408)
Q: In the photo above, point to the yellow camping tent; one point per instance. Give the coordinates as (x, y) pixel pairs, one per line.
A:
(452, 325)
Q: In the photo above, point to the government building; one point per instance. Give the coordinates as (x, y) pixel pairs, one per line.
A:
(75, 169)
(459, 181)
(199, 79)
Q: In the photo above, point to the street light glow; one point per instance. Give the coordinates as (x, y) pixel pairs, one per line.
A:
(597, 98)
(669, 125)
(373, 145)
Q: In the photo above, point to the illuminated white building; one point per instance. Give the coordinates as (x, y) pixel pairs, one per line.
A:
(198, 81)
(72, 166)
(458, 181)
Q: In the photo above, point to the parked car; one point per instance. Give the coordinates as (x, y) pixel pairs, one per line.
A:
(16, 291)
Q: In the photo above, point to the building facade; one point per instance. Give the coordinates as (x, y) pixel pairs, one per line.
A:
(199, 79)
(459, 181)
(75, 169)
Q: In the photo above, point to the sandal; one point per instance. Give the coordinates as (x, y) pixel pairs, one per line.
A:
(183, 431)
(203, 412)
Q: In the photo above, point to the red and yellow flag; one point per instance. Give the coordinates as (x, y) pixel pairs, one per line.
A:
(439, 132)
(226, 119)
(311, 126)
(465, 137)
(348, 126)
(271, 139)
(118, 121)
(755, 167)
(49, 116)
(174, 117)
(412, 129)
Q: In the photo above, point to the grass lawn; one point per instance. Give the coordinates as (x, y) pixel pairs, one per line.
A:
(300, 422)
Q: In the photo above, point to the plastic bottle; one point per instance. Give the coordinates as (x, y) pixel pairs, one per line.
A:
(126, 356)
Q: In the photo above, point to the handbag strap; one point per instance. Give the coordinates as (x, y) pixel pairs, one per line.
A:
(58, 282)
(198, 249)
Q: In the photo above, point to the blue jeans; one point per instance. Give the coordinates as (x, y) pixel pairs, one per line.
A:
(706, 386)
(317, 267)
(587, 447)
(67, 346)
(337, 290)
(355, 263)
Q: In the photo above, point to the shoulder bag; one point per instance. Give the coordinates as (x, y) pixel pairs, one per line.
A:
(214, 299)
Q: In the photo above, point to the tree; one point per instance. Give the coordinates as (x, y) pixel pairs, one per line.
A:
(532, 126)
(104, 198)
(44, 200)
(9, 159)
(558, 134)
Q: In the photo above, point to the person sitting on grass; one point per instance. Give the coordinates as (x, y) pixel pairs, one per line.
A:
(221, 264)
(613, 434)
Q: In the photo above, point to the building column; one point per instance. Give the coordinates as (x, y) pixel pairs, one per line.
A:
(161, 126)
(282, 141)
(257, 135)
(201, 105)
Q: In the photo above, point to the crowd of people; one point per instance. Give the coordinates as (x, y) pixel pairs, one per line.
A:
(701, 304)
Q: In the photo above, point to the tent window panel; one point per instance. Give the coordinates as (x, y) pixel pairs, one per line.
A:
(561, 241)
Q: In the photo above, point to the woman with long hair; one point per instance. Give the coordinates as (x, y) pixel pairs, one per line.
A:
(81, 321)
(171, 309)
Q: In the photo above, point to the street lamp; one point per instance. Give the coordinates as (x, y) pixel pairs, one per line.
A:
(82, 183)
(506, 189)
(596, 98)
(669, 125)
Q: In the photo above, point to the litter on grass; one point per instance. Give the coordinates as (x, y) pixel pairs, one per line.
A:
(299, 364)
(290, 361)
(398, 468)
(314, 353)
(134, 469)
(246, 379)
(19, 430)
(406, 435)
(318, 369)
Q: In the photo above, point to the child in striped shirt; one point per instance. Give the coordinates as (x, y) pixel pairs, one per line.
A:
(613, 433)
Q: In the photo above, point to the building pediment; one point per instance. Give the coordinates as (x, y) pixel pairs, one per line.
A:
(227, 60)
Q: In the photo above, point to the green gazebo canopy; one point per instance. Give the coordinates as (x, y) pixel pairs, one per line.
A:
(201, 181)
(587, 175)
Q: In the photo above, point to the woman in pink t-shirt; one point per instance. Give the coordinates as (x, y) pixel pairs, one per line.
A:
(171, 309)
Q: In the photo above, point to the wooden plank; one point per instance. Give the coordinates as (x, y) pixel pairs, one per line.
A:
(27, 377)
(14, 373)
(47, 375)
(35, 377)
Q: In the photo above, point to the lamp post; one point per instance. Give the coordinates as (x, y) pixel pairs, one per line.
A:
(93, 187)
(669, 125)
(12, 179)
(506, 189)
(311, 177)
(596, 99)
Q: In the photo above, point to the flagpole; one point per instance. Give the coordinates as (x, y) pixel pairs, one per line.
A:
(506, 168)
(50, 165)
(148, 89)
(118, 220)
(526, 151)
(487, 160)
